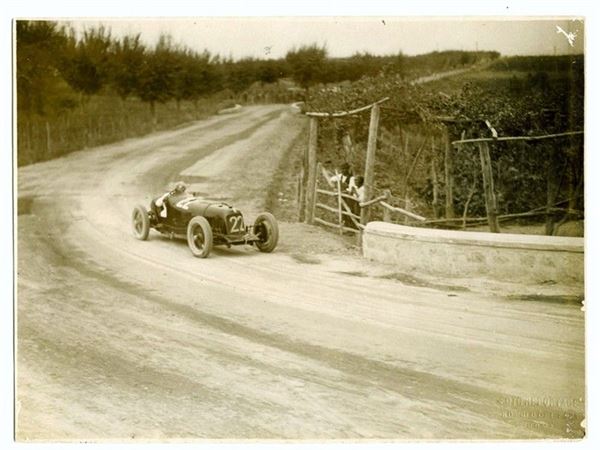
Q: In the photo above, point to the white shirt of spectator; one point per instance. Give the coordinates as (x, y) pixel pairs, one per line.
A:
(342, 179)
(351, 184)
(360, 193)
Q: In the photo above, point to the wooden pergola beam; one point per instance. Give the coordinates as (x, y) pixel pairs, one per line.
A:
(345, 113)
(516, 138)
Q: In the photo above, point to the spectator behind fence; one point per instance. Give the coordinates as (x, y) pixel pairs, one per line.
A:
(345, 177)
(358, 190)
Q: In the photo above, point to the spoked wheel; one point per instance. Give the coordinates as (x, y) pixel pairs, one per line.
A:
(199, 237)
(267, 230)
(140, 223)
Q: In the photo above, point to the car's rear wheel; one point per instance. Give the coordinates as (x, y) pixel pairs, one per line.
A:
(199, 237)
(140, 223)
(267, 230)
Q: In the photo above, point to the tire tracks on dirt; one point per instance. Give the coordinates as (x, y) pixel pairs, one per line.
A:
(265, 346)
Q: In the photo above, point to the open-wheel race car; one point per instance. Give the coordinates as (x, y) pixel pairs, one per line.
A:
(204, 224)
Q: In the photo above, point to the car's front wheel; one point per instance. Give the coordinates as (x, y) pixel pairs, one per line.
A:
(267, 230)
(140, 223)
(199, 237)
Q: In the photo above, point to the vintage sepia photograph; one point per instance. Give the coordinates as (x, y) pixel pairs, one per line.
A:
(299, 228)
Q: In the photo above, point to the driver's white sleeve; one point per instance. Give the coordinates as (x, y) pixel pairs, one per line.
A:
(161, 200)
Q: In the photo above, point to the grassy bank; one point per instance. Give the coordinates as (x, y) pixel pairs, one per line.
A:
(100, 120)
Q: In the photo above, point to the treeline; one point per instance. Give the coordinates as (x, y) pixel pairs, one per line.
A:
(542, 63)
(310, 65)
(56, 69)
(80, 90)
(76, 91)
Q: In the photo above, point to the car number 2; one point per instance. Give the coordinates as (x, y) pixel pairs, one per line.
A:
(236, 224)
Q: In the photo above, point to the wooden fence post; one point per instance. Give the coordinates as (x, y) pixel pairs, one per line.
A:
(488, 186)
(449, 176)
(339, 199)
(301, 194)
(312, 169)
(348, 146)
(314, 193)
(370, 162)
(434, 180)
(552, 188)
(303, 184)
(48, 139)
(387, 214)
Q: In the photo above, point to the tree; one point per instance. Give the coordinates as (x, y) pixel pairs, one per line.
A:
(307, 65)
(157, 79)
(270, 71)
(240, 75)
(181, 71)
(197, 76)
(128, 55)
(85, 62)
(39, 45)
(365, 64)
(398, 64)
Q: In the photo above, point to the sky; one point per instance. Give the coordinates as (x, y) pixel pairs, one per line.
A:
(343, 36)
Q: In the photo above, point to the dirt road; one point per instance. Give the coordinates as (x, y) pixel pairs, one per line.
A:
(120, 339)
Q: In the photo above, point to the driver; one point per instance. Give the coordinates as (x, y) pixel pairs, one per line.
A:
(161, 202)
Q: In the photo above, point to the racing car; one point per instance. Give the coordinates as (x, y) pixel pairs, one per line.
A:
(204, 223)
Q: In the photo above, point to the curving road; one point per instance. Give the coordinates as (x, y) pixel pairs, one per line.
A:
(119, 339)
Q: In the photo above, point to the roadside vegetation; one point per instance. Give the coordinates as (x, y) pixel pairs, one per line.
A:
(82, 90)
(76, 91)
(92, 88)
(519, 96)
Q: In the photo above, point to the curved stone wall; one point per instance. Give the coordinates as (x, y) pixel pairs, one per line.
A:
(511, 257)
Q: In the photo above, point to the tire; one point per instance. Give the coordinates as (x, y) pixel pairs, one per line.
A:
(140, 223)
(265, 226)
(199, 237)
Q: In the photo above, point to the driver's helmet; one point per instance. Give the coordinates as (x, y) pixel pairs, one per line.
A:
(180, 187)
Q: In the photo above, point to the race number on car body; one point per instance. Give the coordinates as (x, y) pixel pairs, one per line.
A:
(185, 203)
(236, 224)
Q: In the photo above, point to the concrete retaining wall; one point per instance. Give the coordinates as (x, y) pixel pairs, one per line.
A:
(511, 257)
